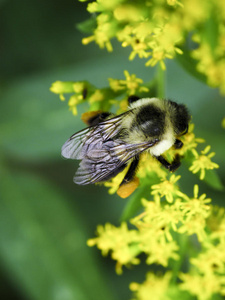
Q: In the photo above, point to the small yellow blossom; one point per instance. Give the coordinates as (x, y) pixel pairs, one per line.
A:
(73, 102)
(161, 251)
(114, 183)
(96, 96)
(131, 84)
(201, 286)
(149, 166)
(120, 241)
(203, 162)
(195, 211)
(129, 13)
(154, 287)
(60, 87)
(216, 223)
(167, 189)
(79, 87)
(211, 259)
(160, 218)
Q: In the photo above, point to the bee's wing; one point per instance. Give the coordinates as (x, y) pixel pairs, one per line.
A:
(100, 155)
(73, 146)
(86, 140)
(100, 163)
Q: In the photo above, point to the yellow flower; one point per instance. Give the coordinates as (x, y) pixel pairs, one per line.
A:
(203, 287)
(73, 102)
(161, 251)
(120, 241)
(131, 84)
(203, 162)
(195, 211)
(155, 225)
(149, 166)
(211, 259)
(159, 218)
(154, 287)
(97, 96)
(60, 87)
(129, 13)
(114, 183)
(167, 189)
(216, 223)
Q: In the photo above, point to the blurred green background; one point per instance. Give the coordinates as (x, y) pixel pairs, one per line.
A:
(45, 219)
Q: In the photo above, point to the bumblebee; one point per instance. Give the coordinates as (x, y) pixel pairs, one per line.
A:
(111, 142)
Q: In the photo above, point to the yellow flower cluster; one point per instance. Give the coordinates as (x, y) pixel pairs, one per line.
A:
(158, 29)
(207, 272)
(154, 234)
(77, 89)
(132, 85)
(156, 286)
(81, 91)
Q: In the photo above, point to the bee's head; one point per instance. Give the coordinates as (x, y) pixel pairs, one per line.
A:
(181, 117)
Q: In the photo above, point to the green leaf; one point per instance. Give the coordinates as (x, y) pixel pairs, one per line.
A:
(190, 64)
(210, 32)
(43, 241)
(212, 179)
(88, 25)
(134, 203)
(34, 123)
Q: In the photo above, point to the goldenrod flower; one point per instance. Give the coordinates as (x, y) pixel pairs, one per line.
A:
(154, 287)
(211, 260)
(203, 287)
(203, 162)
(216, 223)
(195, 211)
(149, 166)
(120, 241)
(167, 189)
(59, 87)
(131, 84)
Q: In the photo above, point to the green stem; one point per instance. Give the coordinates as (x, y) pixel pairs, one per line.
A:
(160, 82)
(176, 266)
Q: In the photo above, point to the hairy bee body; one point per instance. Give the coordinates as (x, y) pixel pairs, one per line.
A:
(111, 142)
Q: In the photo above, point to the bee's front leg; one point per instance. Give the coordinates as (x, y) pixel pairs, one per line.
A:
(169, 166)
(178, 144)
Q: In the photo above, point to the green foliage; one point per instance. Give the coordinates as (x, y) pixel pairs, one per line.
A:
(45, 220)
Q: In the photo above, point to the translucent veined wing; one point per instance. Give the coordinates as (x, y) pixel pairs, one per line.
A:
(101, 155)
(107, 161)
(91, 138)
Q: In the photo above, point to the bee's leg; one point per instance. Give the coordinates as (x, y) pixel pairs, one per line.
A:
(130, 181)
(94, 117)
(178, 144)
(170, 166)
(132, 99)
(131, 171)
